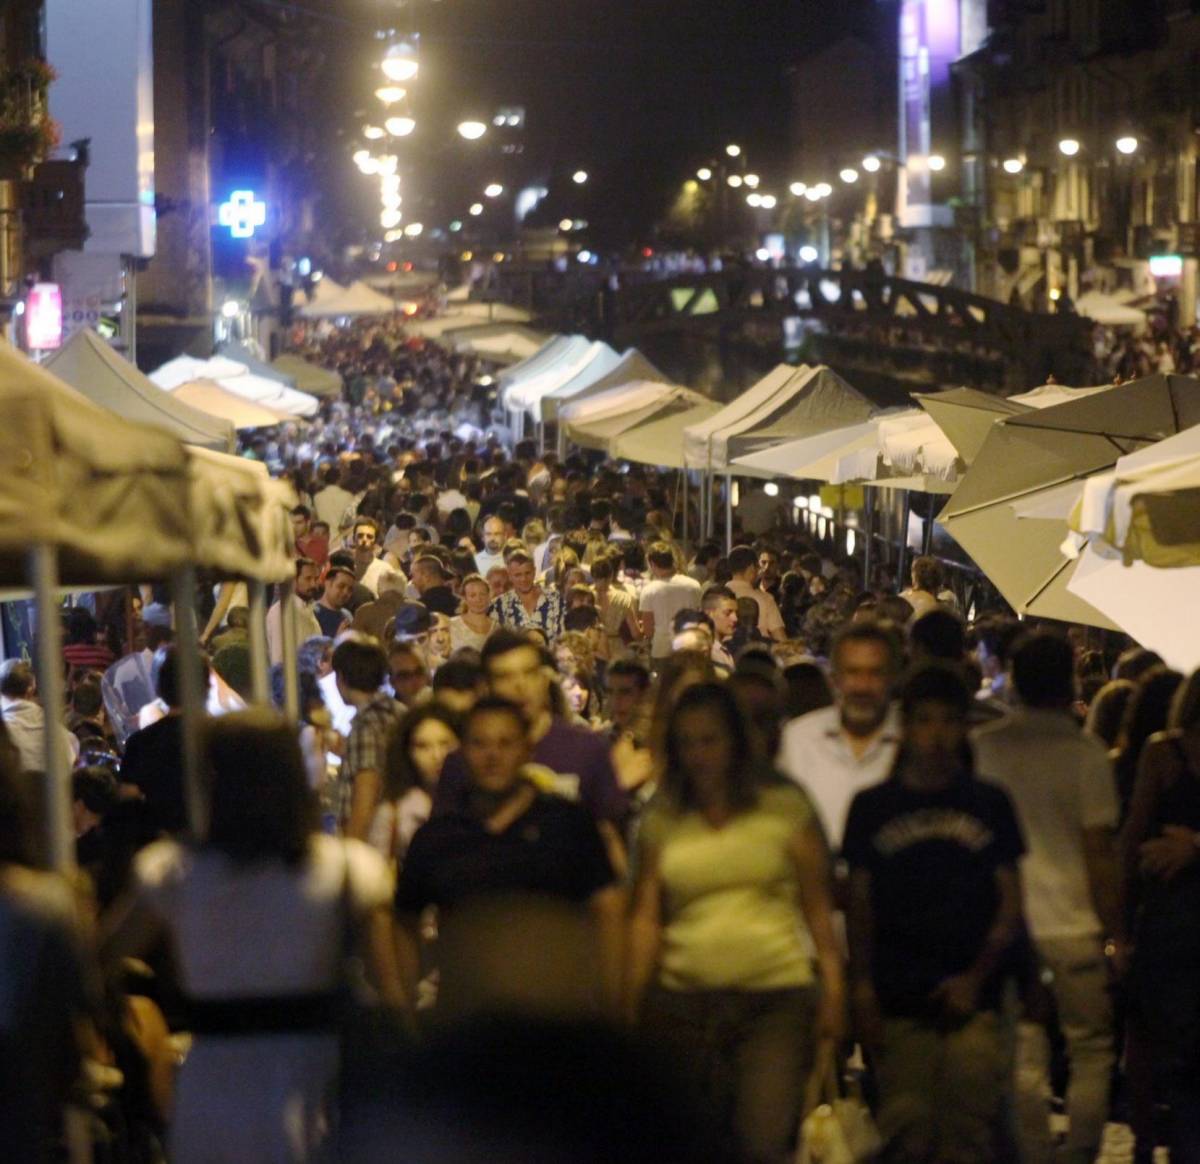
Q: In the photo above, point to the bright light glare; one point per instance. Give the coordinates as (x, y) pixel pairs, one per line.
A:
(937, 163)
(393, 236)
(871, 164)
(390, 94)
(369, 166)
(751, 180)
(579, 177)
(372, 132)
(769, 201)
(824, 190)
(733, 151)
(471, 130)
(1127, 144)
(389, 182)
(851, 542)
(1055, 294)
(387, 164)
(476, 208)
(230, 308)
(413, 229)
(735, 180)
(849, 174)
(360, 156)
(798, 189)
(808, 254)
(400, 126)
(584, 256)
(493, 190)
(498, 120)
(1068, 147)
(564, 224)
(456, 226)
(800, 502)
(813, 194)
(514, 120)
(704, 173)
(400, 62)
(1013, 165)
(390, 218)
(771, 489)
(762, 254)
(390, 200)
(753, 199)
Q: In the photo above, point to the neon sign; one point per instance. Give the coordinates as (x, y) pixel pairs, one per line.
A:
(242, 214)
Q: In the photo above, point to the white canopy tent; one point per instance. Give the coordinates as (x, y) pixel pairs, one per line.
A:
(547, 370)
(601, 361)
(94, 369)
(235, 378)
(1109, 311)
(541, 359)
(357, 299)
(308, 377)
(594, 423)
(501, 343)
(631, 367)
(698, 438)
(210, 397)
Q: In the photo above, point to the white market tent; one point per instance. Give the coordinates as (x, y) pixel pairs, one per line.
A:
(210, 397)
(233, 377)
(815, 458)
(90, 365)
(553, 366)
(1109, 311)
(357, 299)
(501, 343)
(632, 367)
(596, 422)
(325, 290)
(460, 315)
(246, 352)
(658, 438)
(540, 359)
(698, 438)
(601, 361)
(308, 377)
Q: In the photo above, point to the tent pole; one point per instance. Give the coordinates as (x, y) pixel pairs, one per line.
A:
(901, 577)
(193, 696)
(260, 678)
(927, 532)
(728, 514)
(541, 435)
(683, 484)
(60, 835)
(869, 547)
(291, 674)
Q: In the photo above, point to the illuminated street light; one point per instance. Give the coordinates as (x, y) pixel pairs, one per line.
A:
(754, 200)
(390, 94)
(849, 174)
(393, 236)
(579, 177)
(813, 194)
(798, 189)
(565, 224)
(762, 254)
(493, 190)
(1013, 165)
(369, 166)
(372, 132)
(413, 229)
(390, 218)
(771, 489)
(1127, 144)
(704, 173)
(1068, 147)
(937, 163)
(751, 180)
(808, 254)
(735, 180)
(734, 151)
(824, 189)
(498, 120)
(389, 182)
(400, 126)
(871, 164)
(584, 256)
(387, 164)
(390, 200)
(456, 226)
(769, 201)
(230, 308)
(471, 130)
(476, 209)
(360, 156)
(400, 62)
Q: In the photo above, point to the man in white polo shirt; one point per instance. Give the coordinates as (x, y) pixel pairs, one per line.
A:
(836, 751)
(665, 595)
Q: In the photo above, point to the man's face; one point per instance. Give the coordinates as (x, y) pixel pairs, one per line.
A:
(300, 525)
(724, 616)
(518, 676)
(339, 589)
(364, 541)
(408, 675)
(862, 678)
(624, 696)
(308, 582)
(521, 574)
(768, 566)
(493, 535)
(423, 577)
(495, 747)
(936, 733)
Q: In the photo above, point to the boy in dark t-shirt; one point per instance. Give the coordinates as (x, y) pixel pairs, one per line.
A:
(935, 904)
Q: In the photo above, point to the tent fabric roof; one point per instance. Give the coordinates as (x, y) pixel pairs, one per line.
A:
(1109, 311)
(243, 353)
(111, 494)
(595, 423)
(308, 377)
(658, 438)
(233, 377)
(540, 359)
(601, 360)
(209, 396)
(502, 343)
(697, 440)
(465, 314)
(90, 365)
(357, 299)
(632, 367)
(812, 458)
(559, 367)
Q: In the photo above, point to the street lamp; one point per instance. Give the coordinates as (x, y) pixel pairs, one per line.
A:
(849, 175)
(808, 254)
(871, 164)
(824, 189)
(768, 201)
(476, 209)
(1068, 147)
(813, 193)
(400, 126)
(797, 189)
(754, 200)
(400, 61)
(1013, 165)
(751, 180)
(413, 229)
(704, 173)
(735, 180)
(565, 224)
(390, 94)
(579, 177)
(373, 132)
(471, 130)
(390, 218)
(493, 190)
(734, 151)
(1127, 144)
(937, 163)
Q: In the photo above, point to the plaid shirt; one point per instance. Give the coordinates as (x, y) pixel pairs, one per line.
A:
(508, 610)
(366, 747)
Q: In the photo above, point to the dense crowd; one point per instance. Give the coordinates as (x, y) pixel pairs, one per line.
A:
(596, 842)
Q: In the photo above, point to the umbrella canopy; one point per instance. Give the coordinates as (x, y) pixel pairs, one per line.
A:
(630, 368)
(209, 396)
(243, 353)
(657, 439)
(698, 439)
(965, 415)
(93, 368)
(596, 422)
(602, 360)
(309, 377)
(1027, 455)
(111, 494)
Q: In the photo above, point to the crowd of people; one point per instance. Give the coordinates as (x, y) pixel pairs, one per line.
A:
(594, 842)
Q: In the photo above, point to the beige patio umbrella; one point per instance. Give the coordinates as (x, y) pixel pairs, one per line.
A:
(1041, 452)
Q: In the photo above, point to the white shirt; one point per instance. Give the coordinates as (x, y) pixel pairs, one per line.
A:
(307, 627)
(664, 598)
(485, 561)
(331, 504)
(815, 752)
(25, 722)
(371, 574)
(1061, 782)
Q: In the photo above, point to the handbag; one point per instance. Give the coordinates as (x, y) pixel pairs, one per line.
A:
(837, 1129)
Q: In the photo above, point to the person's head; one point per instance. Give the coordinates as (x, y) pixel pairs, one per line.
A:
(864, 662)
(602, 572)
(1107, 709)
(661, 559)
(1043, 671)
(93, 796)
(495, 532)
(747, 614)
(427, 572)
(339, 588)
(709, 750)
(1146, 712)
(938, 634)
(808, 689)
(743, 564)
(579, 688)
(762, 692)
(390, 582)
(521, 571)
(301, 520)
(721, 605)
(934, 702)
(580, 596)
(768, 565)
(315, 655)
(994, 642)
(365, 534)
(627, 681)
(260, 804)
(17, 679)
(476, 594)
(516, 671)
(407, 670)
(87, 698)
(169, 684)
(927, 575)
(1184, 714)
(359, 664)
(459, 682)
(418, 748)
(495, 744)
(439, 636)
(498, 580)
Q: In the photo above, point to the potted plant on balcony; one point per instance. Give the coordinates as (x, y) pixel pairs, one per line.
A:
(28, 134)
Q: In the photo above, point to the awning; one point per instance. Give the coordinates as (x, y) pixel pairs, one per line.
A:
(234, 377)
(309, 377)
(630, 368)
(596, 422)
(243, 414)
(658, 438)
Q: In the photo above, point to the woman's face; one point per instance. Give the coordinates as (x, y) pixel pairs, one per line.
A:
(495, 747)
(576, 694)
(705, 751)
(477, 596)
(428, 747)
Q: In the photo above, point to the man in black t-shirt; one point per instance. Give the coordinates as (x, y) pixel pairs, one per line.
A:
(935, 906)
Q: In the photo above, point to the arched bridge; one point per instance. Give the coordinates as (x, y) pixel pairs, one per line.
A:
(853, 316)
